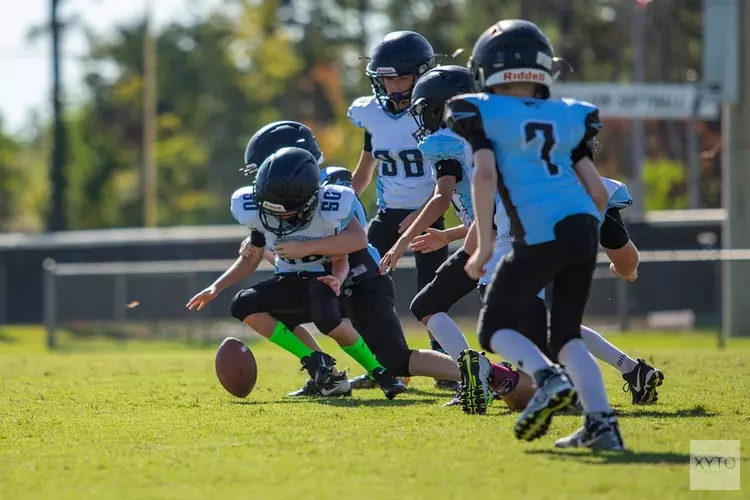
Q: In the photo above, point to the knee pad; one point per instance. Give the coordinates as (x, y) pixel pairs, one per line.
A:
(243, 304)
(557, 342)
(327, 318)
(395, 359)
(423, 305)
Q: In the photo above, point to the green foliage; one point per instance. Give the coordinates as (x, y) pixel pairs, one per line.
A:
(23, 187)
(223, 76)
(664, 183)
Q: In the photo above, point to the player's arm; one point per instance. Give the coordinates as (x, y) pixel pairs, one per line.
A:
(592, 182)
(365, 167)
(435, 239)
(618, 246)
(438, 204)
(340, 267)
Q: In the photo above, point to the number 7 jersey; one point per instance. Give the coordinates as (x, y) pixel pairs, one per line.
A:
(536, 143)
(335, 210)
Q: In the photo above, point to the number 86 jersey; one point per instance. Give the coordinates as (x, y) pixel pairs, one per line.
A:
(334, 211)
(404, 178)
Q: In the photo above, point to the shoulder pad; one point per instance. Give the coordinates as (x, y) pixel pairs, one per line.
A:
(359, 110)
(336, 203)
(586, 112)
(617, 192)
(243, 207)
(335, 175)
(436, 147)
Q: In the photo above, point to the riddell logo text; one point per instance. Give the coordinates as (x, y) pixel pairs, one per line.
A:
(524, 76)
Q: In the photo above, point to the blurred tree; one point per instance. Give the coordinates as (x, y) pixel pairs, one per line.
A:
(23, 184)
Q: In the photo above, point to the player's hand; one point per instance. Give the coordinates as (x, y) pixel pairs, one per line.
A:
(475, 265)
(203, 298)
(292, 249)
(630, 278)
(333, 282)
(407, 221)
(247, 249)
(432, 240)
(392, 256)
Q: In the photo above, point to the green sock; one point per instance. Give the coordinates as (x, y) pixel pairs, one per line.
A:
(362, 355)
(284, 338)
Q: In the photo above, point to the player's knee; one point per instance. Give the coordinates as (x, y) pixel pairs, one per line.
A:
(424, 304)
(395, 360)
(326, 319)
(560, 338)
(243, 304)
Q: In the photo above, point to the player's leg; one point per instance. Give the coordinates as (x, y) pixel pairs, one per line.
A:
(510, 295)
(373, 313)
(641, 379)
(256, 306)
(430, 306)
(338, 384)
(326, 314)
(570, 294)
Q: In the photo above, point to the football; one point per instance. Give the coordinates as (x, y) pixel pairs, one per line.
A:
(236, 367)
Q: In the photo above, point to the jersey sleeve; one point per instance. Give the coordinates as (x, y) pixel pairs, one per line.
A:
(359, 111)
(243, 207)
(588, 115)
(618, 195)
(462, 115)
(337, 205)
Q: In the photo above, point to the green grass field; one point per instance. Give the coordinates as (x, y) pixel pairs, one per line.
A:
(139, 422)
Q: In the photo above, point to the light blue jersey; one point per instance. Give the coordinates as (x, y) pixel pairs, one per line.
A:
(446, 146)
(534, 141)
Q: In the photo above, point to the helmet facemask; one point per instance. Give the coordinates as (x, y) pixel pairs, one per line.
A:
(283, 225)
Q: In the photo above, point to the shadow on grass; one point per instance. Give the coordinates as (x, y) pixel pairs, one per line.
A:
(696, 411)
(341, 402)
(612, 457)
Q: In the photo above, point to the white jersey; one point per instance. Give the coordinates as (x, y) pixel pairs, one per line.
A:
(617, 197)
(335, 210)
(404, 180)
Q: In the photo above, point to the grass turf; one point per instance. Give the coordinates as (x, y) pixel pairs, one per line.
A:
(152, 422)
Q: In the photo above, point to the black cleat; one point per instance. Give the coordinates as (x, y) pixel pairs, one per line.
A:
(642, 383)
(391, 386)
(320, 367)
(447, 385)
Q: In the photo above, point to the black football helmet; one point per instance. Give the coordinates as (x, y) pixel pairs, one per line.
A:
(287, 183)
(400, 53)
(430, 94)
(277, 135)
(512, 51)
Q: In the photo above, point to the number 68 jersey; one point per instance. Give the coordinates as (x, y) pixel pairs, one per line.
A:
(536, 143)
(334, 211)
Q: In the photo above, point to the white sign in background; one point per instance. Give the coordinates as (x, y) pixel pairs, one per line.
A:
(641, 101)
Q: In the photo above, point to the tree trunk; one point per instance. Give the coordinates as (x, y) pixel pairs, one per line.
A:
(56, 220)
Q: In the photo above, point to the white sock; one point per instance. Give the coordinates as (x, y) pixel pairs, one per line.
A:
(445, 331)
(519, 350)
(604, 350)
(584, 372)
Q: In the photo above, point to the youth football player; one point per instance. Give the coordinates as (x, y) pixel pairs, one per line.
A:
(537, 154)
(404, 182)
